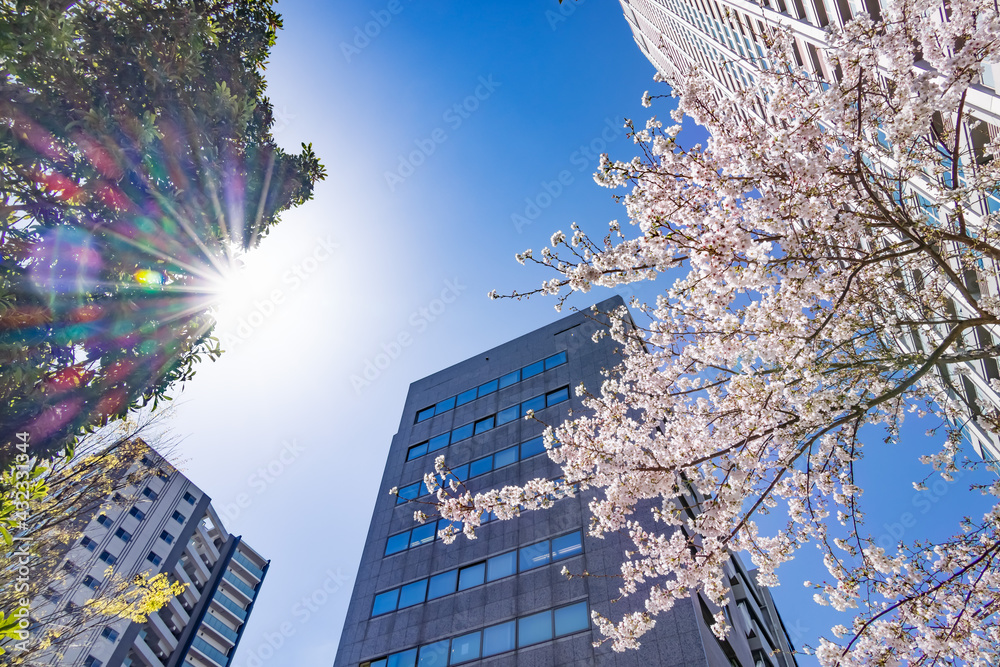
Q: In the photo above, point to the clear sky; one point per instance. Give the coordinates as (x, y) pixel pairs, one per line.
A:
(455, 134)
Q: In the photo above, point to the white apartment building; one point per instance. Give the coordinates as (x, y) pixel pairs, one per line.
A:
(724, 38)
(162, 524)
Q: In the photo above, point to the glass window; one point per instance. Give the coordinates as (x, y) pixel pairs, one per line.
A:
(412, 594)
(109, 634)
(442, 584)
(536, 404)
(104, 520)
(153, 558)
(123, 534)
(481, 466)
(445, 405)
(465, 648)
(397, 543)
(434, 655)
(532, 447)
(533, 629)
(461, 433)
(425, 414)
(149, 493)
(470, 576)
(108, 557)
(501, 566)
(509, 414)
(416, 451)
(167, 537)
(461, 473)
(488, 388)
(484, 425)
(444, 523)
(566, 546)
(188, 498)
(385, 602)
(178, 517)
(466, 397)
(88, 544)
(498, 639)
(505, 457)
(422, 534)
(91, 661)
(555, 360)
(409, 493)
(403, 659)
(571, 619)
(137, 513)
(510, 378)
(534, 555)
(438, 442)
(375, 663)
(90, 582)
(532, 370)
(557, 396)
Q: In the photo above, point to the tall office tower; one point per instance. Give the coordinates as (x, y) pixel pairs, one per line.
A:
(163, 523)
(501, 599)
(725, 39)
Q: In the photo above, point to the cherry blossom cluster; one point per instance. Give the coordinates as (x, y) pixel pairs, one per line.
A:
(812, 293)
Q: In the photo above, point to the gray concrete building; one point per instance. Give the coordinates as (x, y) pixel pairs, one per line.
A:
(501, 599)
(163, 524)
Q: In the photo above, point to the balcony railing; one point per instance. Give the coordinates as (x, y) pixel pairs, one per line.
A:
(226, 602)
(248, 564)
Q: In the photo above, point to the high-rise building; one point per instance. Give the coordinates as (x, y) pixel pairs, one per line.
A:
(725, 39)
(161, 524)
(501, 599)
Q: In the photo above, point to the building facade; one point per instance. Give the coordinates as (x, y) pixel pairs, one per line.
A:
(163, 524)
(725, 39)
(501, 599)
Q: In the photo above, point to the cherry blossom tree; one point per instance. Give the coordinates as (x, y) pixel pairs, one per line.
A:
(835, 257)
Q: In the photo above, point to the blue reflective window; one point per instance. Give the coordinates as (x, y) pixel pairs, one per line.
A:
(385, 602)
(378, 663)
(571, 619)
(536, 404)
(532, 370)
(471, 576)
(434, 655)
(445, 405)
(403, 659)
(461, 433)
(416, 451)
(501, 566)
(423, 534)
(498, 639)
(555, 360)
(408, 493)
(444, 523)
(442, 584)
(567, 546)
(533, 629)
(412, 594)
(532, 447)
(488, 388)
(397, 543)
(510, 378)
(465, 648)
(509, 414)
(484, 425)
(557, 396)
(438, 442)
(461, 473)
(481, 466)
(466, 397)
(534, 555)
(505, 457)
(425, 414)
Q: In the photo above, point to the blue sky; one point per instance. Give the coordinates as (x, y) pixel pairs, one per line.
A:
(455, 135)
